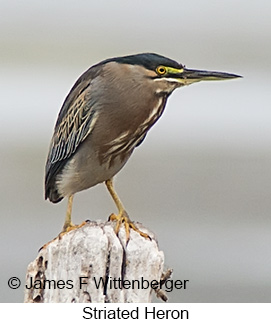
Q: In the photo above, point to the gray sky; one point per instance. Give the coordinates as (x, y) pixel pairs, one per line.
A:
(45, 46)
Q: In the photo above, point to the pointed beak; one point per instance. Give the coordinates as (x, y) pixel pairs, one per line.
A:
(188, 76)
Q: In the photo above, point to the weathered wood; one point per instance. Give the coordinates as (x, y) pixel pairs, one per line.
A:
(94, 252)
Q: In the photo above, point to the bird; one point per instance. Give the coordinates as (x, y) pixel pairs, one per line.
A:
(105, 116)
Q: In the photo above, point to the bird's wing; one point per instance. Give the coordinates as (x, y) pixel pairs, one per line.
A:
(75, 122)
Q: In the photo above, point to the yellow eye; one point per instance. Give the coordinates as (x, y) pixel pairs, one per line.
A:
(161, 70)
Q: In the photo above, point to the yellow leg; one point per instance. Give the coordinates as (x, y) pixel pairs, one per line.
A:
(68, 225)
(68, 220)
(109, 185)
(122, 217)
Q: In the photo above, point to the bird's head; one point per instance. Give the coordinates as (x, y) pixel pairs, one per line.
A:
(167, 73)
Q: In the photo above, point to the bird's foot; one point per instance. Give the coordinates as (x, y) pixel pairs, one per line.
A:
(66, 228)
(123, 217)
(69, 227)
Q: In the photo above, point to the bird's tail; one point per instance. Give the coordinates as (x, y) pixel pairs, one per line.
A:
(52, 194)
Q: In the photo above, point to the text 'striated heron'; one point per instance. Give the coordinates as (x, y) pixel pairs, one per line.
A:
(106, 115)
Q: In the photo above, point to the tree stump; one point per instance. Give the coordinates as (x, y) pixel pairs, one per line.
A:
(92, 264)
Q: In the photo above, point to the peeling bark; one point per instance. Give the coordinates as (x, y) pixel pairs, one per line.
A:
(70, 268)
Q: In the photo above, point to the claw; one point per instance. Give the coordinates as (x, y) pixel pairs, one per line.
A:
(123, 217)
(65, 230)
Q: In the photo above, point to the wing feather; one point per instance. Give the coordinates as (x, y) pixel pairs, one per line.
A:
(75, 122)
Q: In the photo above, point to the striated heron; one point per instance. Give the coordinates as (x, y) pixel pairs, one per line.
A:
(106, 115)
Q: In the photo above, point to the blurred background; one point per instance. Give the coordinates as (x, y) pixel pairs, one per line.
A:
(201, 180)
